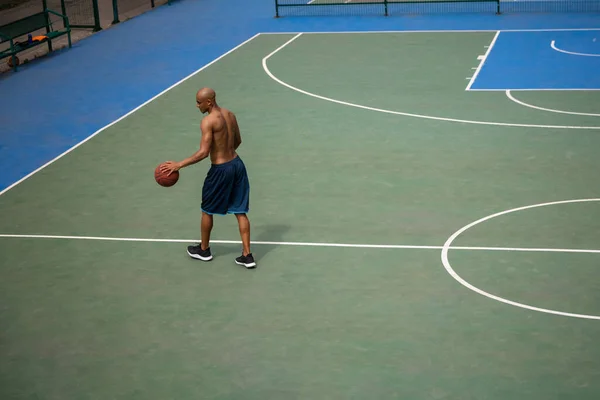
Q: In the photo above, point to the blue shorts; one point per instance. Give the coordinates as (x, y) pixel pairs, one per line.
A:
(226, 189)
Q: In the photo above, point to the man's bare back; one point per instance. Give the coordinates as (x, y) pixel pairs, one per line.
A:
(220, 134)
(222, 125)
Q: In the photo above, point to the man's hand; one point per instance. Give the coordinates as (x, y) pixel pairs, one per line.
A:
(170, 167)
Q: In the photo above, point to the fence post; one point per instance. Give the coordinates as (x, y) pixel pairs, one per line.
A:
(385, 4)
(276, 8)
(45, 6)
(498, 7)
(63, 7)
(115, 12)
(96, 16)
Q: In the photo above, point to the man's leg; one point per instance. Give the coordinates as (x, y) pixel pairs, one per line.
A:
(246, 259)
(202, 251)
(239, 204)
(244, 225)
(206, 226)
(212, 202)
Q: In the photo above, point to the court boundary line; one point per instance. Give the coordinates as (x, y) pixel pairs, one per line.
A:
(537, 90)
(75, 146)
(432, 31)
(422, 116)
(483, 60)
(302, 244)
(520, 102)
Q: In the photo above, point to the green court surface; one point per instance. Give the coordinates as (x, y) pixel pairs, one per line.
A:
(365, 154)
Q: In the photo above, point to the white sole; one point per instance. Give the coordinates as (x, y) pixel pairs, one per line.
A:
(246, 265)
(197, 257)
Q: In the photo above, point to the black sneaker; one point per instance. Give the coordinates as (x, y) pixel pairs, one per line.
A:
(197, 253)
(246, 261)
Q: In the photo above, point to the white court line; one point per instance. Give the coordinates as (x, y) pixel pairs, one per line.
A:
(345, 103)
(448, 245)
(483, 60)
(130, 239)
(510, 96)
(537, 90)
(305, 244)
(126, 115)
(571, 52)
(433, 31)
(280, 47)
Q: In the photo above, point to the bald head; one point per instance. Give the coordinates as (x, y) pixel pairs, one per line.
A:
(206, 99)
(205, 94)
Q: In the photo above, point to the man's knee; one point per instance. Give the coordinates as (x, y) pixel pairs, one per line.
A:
(242, 218)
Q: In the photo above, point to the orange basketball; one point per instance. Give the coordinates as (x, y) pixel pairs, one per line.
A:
(163, 180)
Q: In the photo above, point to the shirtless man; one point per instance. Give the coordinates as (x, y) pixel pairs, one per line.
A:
(226, 188)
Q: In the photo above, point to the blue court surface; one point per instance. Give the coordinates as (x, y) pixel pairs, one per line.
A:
(541, 60)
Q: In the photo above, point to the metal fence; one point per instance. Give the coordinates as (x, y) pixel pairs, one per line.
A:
(124, 9)
(81, 13)
(87, 14)
(404, 7)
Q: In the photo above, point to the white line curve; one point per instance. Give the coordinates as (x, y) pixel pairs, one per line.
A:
(511, 97)
(552, 44)
(446, 263)
(345, 103)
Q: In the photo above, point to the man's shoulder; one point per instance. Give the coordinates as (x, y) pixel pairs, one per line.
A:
(227, 111)
(210, 118)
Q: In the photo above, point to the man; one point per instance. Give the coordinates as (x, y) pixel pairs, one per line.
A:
(226, 188)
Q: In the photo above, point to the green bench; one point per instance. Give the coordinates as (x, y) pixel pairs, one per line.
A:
(13, 30)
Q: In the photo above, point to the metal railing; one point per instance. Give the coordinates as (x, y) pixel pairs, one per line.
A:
(403, 7)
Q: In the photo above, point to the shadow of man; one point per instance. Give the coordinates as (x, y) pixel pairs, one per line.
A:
(267, 233)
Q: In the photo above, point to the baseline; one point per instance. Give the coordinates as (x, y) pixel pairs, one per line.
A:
(433, 31)
(453, 274)
(537, 90)
(345, 103)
